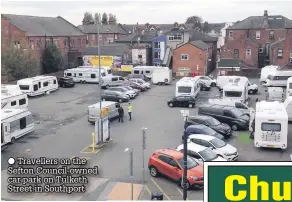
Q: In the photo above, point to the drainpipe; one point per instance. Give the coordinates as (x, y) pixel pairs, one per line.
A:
(206, 67)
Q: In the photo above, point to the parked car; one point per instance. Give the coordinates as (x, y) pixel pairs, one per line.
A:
(200, 153)
(170, 163)
(182, 101)
(114, 96)
(204, 87)
(131, 93)
(130, 88)
(225, 114)
(136, 85)
(138, 76)
(206, 78)
(218, 146)
(202, 129)
(211, 122)
(141, 82)
(66, 82)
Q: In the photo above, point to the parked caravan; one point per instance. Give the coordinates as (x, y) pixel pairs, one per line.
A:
(237, 90)
(145, 70)
(108, 70)
(224, 80)
(14, 100)
(266, 71)
(15, 123)
(94, 113)
(278, 78)
(161, 76)
(85, 75)
(38, 85)
(288, 106)
(271, 125)
(275, 94)
(289, 87)
(189, 86)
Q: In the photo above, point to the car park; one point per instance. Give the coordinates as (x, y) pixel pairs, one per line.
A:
(200, 153)
(131, 93)
(170, 163)
(66, 82)
(116, 96)
(182, 101)
(211, 122)
(218, 146)
(235, 118)
(202, 129)
(141, 82)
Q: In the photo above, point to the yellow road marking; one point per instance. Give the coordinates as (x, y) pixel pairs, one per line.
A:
(89, 148)
(148, 190)
(160, 189)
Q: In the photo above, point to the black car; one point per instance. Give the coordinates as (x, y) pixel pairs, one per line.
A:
(66, 82)
(202, 130)
(225, 114)
(182, 101)
(204, 87)
(211, 122)
(114, 96)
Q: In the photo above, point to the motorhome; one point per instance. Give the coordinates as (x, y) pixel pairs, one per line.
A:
(85, 75)
(38, 85)
(278, 78)
(237, 90)
(189, 86)
(224, 80)
(289, 87)
(271, 125)
(145, 70)
(288, 106)
(13, 98)
(161, 76)
(94, 112)
(266, 71)
(275, 94)
(15, 123)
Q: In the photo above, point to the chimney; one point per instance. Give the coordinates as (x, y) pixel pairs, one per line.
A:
(265, 13)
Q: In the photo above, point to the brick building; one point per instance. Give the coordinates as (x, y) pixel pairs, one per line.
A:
(36, 33)
(260, 40)
(192, 57)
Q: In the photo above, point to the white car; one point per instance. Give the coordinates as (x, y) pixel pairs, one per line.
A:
(201, 153)
(218, 146)
(252, 88)
(208, 80)
(141, 82)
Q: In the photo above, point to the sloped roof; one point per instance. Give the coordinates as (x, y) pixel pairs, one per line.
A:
(197, 35)
(215, 26)
(103, 29)
(263, 22)
(144, 38)
(43, 26)
(110, 50)
(161, 27)
(200, 44)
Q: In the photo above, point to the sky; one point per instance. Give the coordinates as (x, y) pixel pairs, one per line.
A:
(151, 11)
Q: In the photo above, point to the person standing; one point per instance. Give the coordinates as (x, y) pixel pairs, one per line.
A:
(130, 109)
(121, 114)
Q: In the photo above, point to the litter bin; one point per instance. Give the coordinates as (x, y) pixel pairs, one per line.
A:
(157, 196)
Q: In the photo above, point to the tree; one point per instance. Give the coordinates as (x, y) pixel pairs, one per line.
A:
(97, 18)
(112, 19)
(87, 19)
(104, 19)
(194, 19)
(206, 27)
(52, 60)
(19, 63)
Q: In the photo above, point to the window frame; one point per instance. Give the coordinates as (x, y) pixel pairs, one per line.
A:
(230, 34)
(158, 55)
(234, 53)
(258, 34)
(13, 103)
(272, 34)
(248, 52)
(22, 101)
(158, 44)
(184, 56)
(175, 37)
(261, 50)
(280, 53)
(45, 84)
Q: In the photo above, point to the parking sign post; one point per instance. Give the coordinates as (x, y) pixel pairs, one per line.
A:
(143, 151)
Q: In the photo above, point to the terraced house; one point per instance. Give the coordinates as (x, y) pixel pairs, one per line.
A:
(260, 40)
(22, 31)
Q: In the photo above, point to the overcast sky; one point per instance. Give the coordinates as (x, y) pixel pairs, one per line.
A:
(156, 12)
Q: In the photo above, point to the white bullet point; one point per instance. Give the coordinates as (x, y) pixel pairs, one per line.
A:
(11, 161)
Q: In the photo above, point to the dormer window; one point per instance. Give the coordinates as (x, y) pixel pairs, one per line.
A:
(280, 53)
(182, 28)
(272, 34)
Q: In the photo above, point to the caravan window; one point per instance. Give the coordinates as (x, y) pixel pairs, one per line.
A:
(290, 85)
(136, 71)
(55, 81)
(233, 94)
(13, 103)
(22, 123)
(183, 89)
(147, 71)
(80, 74)
(45, 84)
(69, 74)
(271, 127)
(35, 87)
(40, 85)
(114, 79)
(24, 87)
(22, 101)
(93, 76)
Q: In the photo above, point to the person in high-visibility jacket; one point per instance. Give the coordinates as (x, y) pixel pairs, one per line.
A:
(130, 109)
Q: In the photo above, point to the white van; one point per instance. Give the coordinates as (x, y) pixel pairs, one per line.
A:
(161, 76)
(38, 85)
(14, 100)
(237, 90)
(278, 78)
(94, 113)
(232, 103)
(189, 86)
(15, 123)
(289, 87)
(110, 81)
(85, 74)
(271, 125)
(266, 71)
(288, 106)
(224, 80)
(145, 70)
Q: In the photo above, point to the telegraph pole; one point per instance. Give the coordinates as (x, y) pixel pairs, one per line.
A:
(100, 89)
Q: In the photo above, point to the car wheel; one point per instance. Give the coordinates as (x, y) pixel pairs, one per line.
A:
(190, 105)
(182, 185)
(153, 171)
(170, 104)
(213, 84)
(13, 140)
(120, 100)
(234, 127)
(250, 92)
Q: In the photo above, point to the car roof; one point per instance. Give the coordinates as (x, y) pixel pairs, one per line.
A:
(198, 126)
(202, 137)
(193, 147)
(170, 152)
(201, 117)
(217, 106)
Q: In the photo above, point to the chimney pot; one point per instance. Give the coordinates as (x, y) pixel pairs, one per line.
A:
(265, 13)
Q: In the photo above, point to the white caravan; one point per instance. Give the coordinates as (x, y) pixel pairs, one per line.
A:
(161, 76)
(224, 80)
(271, 125)
(278, 78)
(266, 71)
(288, 105)
(38, 85)
(289, 87)
(13, 98)
(189, 86)
(85, 75)
(237, 90)
(15, 123)
(145, 70)
(275, 94)
(108, 70)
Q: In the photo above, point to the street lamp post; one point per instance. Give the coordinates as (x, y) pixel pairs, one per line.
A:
(99, 78)
(143, 153)
(131, 171)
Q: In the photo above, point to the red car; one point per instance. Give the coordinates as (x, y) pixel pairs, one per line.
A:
(169, 162)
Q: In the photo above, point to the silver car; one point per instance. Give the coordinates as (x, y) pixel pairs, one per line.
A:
(131, 93)
(130, 88)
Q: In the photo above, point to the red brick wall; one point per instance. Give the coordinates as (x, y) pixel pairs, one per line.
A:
(93, 38)
(196, 57)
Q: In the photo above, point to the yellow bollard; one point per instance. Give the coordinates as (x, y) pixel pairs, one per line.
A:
(93, 142)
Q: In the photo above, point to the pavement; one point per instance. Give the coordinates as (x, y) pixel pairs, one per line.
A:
(62, 131)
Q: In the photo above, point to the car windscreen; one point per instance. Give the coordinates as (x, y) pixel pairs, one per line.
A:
(233, 93)
(271, 127)
(190, 162)
(213, 122)
(218, 143)
(24, 87)
(237, 113)
(208, 155)
(208, 131)
(271, 77)
(183, 89)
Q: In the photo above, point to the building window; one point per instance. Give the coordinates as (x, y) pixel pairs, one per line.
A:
(258, 34)
(261, 50)
(272, 34)
(100, 37)
(56, 42)
(280, 53)
(116, 36)
(175, 37)
(230, 34)
(72, 42)
(31, 44)
(92, 37)
(291, 54)
(39, 43)
(79, 42)
(157, 55)
(184, 57)
(16, 44)
(248, 52)
(236, 53)
(156, 44)
(110, 40)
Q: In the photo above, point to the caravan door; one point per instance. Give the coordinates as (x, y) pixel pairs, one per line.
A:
(5, 133)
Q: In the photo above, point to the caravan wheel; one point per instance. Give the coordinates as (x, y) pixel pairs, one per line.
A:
(81, 81)
(13, 140)
(84, 81)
